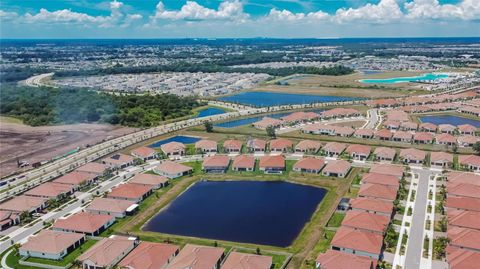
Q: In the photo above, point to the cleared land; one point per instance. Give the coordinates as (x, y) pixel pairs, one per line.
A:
(35, 144)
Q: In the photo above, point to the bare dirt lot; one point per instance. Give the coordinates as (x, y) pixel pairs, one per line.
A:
(35, 144)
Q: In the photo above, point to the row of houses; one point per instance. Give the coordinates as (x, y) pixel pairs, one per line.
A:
(463, 129)
(422, 100)
(358, 243)
(463, 217)
(303, 117)
(128, 252)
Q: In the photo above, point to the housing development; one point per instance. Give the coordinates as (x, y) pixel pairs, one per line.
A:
(240, 154)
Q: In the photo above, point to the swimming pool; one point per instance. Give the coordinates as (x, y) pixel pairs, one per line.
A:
(424, 77)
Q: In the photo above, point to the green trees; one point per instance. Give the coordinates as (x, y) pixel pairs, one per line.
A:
(271, 132)
(476, 147)
(45, 106)
(208, 126)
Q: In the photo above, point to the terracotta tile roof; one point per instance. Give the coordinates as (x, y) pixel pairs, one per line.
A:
(413, 154)
(383, 133)
(107, 250)
(366, 221)
(463, 177)
(423, 136)
(94, 168)
(339, 112)
(376, 178)
(372, 204)
(83, 222)
(129, 191)
(334, 147)
(277, 161)
(343, 130)
(440, 156)
(467, 139)
(462, 259)
(359, 149)
(51, 242)
(397, 115)
(300, 116)
(464, 203)
(310, 163)
(280, 143)
(308, 145)
(469, 160)
(23, 203)
(256, 143)
(446, 138)
(149, 255)
(148, 179)
(244, 161)
(427, 126)
(49, 189)
(403, 135)
(172, 147)
(409, 125)
(385, 152)
(237, 260)
(170, 167)
(358, 240)
(197, 257)
(216, 161)
(266, 122)
(463, 189)
(340, 260)
(446, 128)
(388, 169)
(110, 205)
(119, 159)
(464, 219)
(232, 144)
(75, 178)
(143, 152)
(467, 128)
(363, 132)
(206, 144)
(337, 167)
(466, 238)
(377, 191)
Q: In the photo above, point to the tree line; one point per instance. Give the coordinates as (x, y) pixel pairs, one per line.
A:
(47, 106)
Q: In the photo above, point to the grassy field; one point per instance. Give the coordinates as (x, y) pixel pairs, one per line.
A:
(336, 220)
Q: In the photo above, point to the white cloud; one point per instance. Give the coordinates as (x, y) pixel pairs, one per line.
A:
(432, 9)
(6, 15)
(62, 16)
(384, 11)
(228, 10)
(286, 15)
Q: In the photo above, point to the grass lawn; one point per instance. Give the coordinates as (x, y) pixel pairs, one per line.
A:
(336, 220)
(70, 258)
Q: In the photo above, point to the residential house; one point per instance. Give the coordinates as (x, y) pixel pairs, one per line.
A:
(273, 164)
(412, 156)
(171, 169)
(332, 259)
(111, 207)
(51, 190)
(232, 146)
(150, 180)
(309, 165)
(333, 149)
(206, 146)
(364, 221)
(198, 257)
(383, 134)
(363, 133)
(85, 223)
(243, 163)
(308, 146)
(118, 161)
(384, 154)
(445, 139)
(358, 242)
(447, 128)
(336, 168)
(148, 255)
(238, 260)
(144, 153)
(215, 164)
(467, 140)
(402, 136)
(377, 191)
(76, 179)
(359, 152)
(173, 149)
(388, 169)
(8, 219)
(428, 127)
(440, 158)
(256, 145)
(372, 205)
(423, 138)
(24, 203)
(267, 122)
(281, 145)
(131, 192)
(376, 178)
(471, 162)
(467, 129)
(106, 253)
(52, 245)
(97, 169)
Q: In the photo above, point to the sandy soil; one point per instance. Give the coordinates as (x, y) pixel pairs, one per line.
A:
(34, 144)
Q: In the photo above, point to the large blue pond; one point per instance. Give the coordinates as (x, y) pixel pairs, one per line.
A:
(424, 77)
(449, 119)
(240, 122)
(267, 213)
(210, 112)
(179, 138)
(261, 99)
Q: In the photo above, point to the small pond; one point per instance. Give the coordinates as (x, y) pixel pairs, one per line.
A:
(450, 119)
(179, 138)
(424, 77)
(258, 212)
(245, 121)
(210, 112)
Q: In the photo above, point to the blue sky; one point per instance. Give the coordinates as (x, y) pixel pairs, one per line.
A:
(238, 18)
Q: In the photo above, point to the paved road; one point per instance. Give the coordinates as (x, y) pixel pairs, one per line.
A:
(372, 119)
(416, 236)
(36, 81)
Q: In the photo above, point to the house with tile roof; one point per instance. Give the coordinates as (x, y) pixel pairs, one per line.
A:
(107, 253)
(412, 156)
(145, 179)
(441, 159)
(333, 149)
(206, 146)
(215, 164)
(173, 149)
(144, 153)
(384, 154)
(52, 245)
(148, 255)
(273, 164)
(198, 257)
(238, 260)
(85, 223)
(171, 169)
(111, 207)
(365, 221)
(243, 163)
(377, 191)
(309, 165)
(232, 146)
(24, 203)
(336, 168)
(118, 161)
(131, 192)
(372, 205)
(359, 152)
(471, 162)
(332, 259)
(358, 242)
(308, 146)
